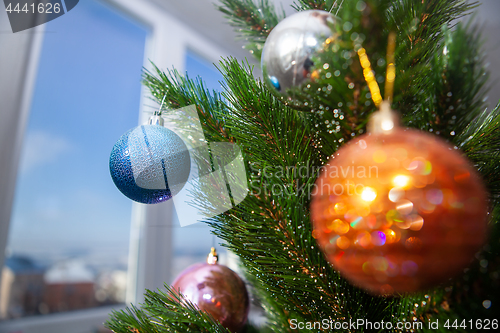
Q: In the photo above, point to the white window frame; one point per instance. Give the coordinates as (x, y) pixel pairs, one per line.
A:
(150, 252)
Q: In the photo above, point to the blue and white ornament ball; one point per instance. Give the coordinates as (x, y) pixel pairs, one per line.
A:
(149, 164)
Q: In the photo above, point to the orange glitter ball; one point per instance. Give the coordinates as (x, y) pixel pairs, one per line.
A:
(406, 211)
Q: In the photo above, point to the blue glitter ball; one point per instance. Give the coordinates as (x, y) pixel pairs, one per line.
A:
(149, 164)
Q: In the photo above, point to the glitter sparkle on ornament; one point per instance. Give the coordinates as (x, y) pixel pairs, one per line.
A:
(414, 219)
(217, 290)
(149, 164)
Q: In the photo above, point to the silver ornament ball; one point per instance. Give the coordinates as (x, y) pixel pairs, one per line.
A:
(288, 54)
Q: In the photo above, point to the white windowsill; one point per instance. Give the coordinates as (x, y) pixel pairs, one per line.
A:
(81, 321)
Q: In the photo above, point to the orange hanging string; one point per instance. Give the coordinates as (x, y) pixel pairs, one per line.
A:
(391, 67)
(370, 76)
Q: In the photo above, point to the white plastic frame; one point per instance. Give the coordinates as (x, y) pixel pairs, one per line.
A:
(151, 232)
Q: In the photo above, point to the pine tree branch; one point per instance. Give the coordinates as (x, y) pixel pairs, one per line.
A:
(452, 93)
(183, 91)
(339, 97)
(328, 5)
(480, 141)
(253, 20)
(462, 299)
(270, 230)
(163, 311)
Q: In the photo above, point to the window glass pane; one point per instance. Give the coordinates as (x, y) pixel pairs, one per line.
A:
(192, 243)
(69, 234)
(198, 66)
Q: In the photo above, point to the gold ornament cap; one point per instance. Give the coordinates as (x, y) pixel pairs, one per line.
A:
(212, 257)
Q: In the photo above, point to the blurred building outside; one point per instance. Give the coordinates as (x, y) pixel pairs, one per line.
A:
(28, 288)
(22, 287)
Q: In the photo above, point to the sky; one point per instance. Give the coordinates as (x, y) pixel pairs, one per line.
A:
(87, 94)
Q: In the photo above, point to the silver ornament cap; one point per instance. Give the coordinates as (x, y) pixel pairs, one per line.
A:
(156, 119)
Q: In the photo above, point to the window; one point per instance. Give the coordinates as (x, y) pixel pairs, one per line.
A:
(196, 66)
(69, 230)
(86, 93)
(192, 243)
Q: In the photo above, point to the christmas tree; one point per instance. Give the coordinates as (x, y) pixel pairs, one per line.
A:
(439, 87)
